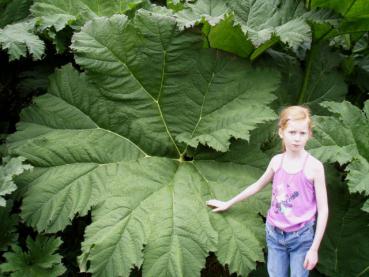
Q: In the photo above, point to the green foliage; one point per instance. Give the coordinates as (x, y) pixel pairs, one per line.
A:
(355, 13)
(8, 232)
(345, 139)
(230, 38)
(40, 259)
(346, 232)
(18, 39)
(13, 10)
(144, 122)
(217, 109)
(74, 148)
(58, 14)
(322, 80)
(211, 11)
(11, 167)
(263, 23)
(266, 22)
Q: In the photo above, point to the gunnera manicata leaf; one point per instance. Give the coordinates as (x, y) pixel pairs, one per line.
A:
(344, 139)
(346, 228)
(115, 140)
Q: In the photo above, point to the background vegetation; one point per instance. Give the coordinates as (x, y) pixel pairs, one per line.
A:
(120, 118)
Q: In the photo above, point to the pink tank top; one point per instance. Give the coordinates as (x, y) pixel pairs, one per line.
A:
(293, 201)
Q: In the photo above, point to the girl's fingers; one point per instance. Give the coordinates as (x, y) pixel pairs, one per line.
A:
(306, 263)
(213, 203)
(209, 202)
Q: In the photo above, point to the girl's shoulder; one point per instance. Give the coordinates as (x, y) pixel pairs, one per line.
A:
(276, 161)
(313, 168)
(313, 163)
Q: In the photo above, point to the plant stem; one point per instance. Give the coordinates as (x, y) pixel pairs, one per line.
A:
(307, 75)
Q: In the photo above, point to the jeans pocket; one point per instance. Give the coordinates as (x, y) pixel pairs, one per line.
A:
(307, 234)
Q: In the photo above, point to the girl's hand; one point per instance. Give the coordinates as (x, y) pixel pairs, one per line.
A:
(219, 205)
(311, 259)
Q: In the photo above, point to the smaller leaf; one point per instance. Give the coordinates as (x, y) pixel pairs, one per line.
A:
(59, 13)
(211, 11)
(19, 38)
(40, 260)
(262, 20)
(12, 167)
(229, 38)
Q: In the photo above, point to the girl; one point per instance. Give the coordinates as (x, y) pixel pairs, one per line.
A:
(293, 231)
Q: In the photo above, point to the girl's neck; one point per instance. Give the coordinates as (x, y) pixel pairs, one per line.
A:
(294, 154)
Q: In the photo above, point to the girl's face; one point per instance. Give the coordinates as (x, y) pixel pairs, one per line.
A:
(295, 135)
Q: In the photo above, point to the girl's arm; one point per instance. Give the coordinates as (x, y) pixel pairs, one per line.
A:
(311, 258)
(249, 191)
(322, 206)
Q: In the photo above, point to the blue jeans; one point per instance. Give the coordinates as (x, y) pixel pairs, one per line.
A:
(287, 250)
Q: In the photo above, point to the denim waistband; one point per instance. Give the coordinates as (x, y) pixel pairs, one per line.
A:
(306, 226)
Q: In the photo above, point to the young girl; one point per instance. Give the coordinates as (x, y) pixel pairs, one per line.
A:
(293, 231)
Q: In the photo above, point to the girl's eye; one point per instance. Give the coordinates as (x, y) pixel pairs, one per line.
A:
(292, 132)
(303, 133)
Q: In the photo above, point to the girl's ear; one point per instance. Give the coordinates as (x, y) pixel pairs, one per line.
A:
(280, 133)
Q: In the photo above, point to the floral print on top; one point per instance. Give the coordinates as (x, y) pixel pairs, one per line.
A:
(283, 199)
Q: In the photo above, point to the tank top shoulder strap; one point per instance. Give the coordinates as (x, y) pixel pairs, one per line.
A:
(306, 158)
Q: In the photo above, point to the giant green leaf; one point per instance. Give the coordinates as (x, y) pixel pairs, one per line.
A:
(344, 249)
(223, 103)
(345, 139)
(119, 140)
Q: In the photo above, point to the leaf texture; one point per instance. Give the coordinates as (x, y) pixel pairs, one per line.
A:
(18, 39)
(345, 140)
(114, 139)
